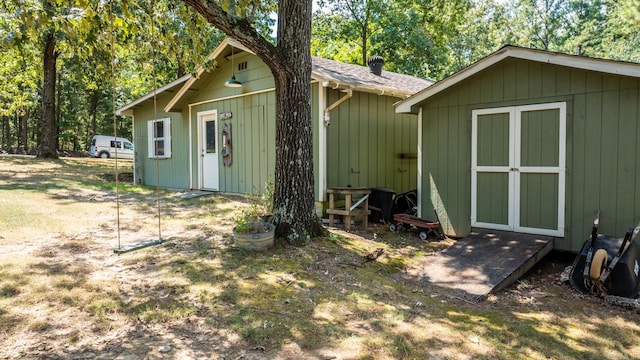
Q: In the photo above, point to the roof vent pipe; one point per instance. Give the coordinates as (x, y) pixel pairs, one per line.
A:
(375, 65)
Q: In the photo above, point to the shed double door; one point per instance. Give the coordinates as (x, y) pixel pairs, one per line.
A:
(518, 168)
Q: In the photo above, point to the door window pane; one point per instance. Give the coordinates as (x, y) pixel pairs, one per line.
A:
(210, 136)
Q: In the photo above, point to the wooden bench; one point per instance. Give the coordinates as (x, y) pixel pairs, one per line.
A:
(349, 208)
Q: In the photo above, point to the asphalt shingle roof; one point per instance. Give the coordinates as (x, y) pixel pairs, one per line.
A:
(360, 78)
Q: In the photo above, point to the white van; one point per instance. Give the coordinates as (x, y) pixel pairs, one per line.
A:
(104, 146)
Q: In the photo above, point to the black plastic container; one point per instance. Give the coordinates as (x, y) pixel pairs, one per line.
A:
(380, 204)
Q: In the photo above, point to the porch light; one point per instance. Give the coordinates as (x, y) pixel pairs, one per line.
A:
(232, 83)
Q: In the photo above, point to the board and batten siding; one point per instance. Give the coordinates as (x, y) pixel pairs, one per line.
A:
(369, 145)
(252, 124)
(252, 141)
(174, 171)
(603, 152)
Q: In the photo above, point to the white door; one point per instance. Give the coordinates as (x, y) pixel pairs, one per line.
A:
(208, 148)
(518, 168)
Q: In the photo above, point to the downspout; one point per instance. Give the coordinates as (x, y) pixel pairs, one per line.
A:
(136, 161)
(190, 152)
(327, 117)
(322, 146)
(420, 155)
(322, 153)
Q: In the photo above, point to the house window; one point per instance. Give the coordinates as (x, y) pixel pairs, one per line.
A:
(159, 132)
(242, 66)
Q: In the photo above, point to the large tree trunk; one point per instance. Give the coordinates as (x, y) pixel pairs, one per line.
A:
(290, 64)
(6, 133)
(365, 35)
(93, 110)
(47, 146)
(23, 147)
(294, 210)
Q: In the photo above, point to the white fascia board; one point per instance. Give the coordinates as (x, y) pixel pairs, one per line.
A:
(214, 55)
(406, 105)
(127, 109)
(573, 61)
(579, 62)
(377, 90)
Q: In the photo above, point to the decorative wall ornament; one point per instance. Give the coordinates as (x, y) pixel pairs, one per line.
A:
(226, 145)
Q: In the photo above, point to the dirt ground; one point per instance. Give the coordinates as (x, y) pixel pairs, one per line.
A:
(88, 249)
(188, 338)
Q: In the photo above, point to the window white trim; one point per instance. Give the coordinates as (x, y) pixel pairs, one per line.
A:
(165, 139)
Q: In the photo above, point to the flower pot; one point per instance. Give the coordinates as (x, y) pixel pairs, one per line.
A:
(256, 236)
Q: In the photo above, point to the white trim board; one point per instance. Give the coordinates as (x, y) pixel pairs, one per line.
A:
(514, 168)
(547, 57)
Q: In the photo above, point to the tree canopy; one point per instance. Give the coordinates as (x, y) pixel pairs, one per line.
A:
(155, 42)
(158, 41)
(434, 38)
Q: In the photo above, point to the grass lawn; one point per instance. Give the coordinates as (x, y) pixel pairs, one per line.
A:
(65, 294)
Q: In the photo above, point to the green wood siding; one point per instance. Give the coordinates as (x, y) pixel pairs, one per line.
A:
(493, 198)
(369, 145)
(603, 156)
(446, 172)
(252, 124)
(173, 171)
(540, 131)
(253, 141)
(256, 77)
(493, 140)
(539, 201)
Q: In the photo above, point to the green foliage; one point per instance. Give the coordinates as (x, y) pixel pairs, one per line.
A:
(437, 38)
(154, 42)
(260, 207)
(412, 36)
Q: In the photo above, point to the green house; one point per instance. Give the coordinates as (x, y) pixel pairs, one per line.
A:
(200, 133)
(531, 141)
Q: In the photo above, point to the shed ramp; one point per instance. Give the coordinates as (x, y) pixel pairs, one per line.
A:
(486, 261)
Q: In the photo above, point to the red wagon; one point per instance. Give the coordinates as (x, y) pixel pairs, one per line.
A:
(425, 226)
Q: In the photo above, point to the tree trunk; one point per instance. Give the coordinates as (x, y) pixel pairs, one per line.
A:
(23, 147)
(93, 110)
(290, 64)
(365, 35)
(47, 146)
(294, 210)
(57, 114)
(6, 133)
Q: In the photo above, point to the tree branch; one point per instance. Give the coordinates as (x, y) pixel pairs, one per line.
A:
(236, 27)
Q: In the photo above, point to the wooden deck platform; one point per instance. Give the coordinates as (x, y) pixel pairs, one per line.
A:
(486, 261)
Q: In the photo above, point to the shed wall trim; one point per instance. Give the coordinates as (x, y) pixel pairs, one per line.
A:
(497, 168)
(546, 57)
